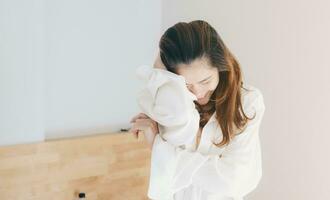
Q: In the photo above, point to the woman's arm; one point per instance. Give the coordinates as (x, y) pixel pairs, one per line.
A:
(166, 99)
(236, 173)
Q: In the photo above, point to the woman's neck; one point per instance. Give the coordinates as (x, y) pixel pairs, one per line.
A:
(205, 112)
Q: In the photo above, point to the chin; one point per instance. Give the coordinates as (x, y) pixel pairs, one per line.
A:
(203, 103)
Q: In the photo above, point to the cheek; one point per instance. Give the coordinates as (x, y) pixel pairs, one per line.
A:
(212, 86)
(215, 82)
(207, 90)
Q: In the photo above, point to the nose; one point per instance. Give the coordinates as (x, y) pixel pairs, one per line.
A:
(198, 92)
(199, 95)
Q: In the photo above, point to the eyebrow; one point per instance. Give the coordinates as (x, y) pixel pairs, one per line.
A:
(202, 80)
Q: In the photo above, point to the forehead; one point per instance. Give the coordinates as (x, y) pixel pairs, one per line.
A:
(196, 71)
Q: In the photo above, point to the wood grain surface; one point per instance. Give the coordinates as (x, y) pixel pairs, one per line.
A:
(105, 167)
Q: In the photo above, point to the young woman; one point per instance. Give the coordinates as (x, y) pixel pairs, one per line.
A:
(221, 159)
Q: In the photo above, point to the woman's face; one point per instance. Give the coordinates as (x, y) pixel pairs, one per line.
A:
(201, 79)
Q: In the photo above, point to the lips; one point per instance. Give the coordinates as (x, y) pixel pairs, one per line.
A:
(201, 99)
(204, 96)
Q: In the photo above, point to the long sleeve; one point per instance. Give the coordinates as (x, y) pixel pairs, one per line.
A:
(236, 173)
(166, 99)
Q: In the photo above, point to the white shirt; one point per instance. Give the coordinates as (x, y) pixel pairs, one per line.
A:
(178, 170)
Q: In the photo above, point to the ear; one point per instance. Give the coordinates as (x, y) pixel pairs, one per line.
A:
(158, 62)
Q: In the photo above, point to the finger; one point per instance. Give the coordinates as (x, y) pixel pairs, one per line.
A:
(134, 129)
(135, 133)
(145, 124)
(153, 124)
(156, 127)
(140, 125)
(140, 115)
(144, 115)
(135, 117)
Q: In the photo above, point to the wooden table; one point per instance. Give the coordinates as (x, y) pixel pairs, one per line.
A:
(105, 167)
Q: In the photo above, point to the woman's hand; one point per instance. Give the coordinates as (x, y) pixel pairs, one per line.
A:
(149, 127)
(158, 63)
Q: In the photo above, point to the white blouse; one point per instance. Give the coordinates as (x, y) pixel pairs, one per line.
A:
(179, 170)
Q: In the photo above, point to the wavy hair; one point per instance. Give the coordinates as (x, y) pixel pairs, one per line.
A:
(185, 42)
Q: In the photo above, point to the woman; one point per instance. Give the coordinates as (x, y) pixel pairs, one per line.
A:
(224, 159)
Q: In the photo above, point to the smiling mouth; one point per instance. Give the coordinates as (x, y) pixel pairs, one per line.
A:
(204, 97)
(201, 99)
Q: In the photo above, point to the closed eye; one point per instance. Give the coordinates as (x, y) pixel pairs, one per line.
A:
(206, 82)
(203, 82)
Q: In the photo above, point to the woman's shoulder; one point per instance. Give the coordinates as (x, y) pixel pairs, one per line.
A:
(252, 96)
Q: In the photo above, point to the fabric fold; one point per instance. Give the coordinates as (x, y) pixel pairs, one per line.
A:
(230, 173)
(233, 175)
(166, 99)
(236, 173)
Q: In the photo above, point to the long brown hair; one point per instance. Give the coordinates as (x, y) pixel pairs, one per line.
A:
(185, 42)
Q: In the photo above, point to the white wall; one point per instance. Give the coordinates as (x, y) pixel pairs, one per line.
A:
(93, 49)
(283, 47)
(67, 66)
(21, 71)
